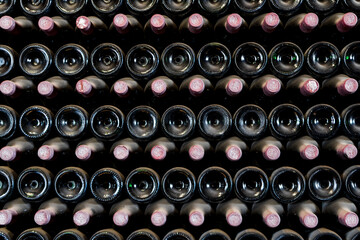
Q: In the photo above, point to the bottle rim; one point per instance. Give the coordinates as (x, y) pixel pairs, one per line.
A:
(179, 233)
(7, 10)
(353, 72)
(144, 232)
(81, 112)
(117, 113)
(10, 177)
(108, 233)
(113, 8)
(65, 11)
(246, 10)
(141, 11)
(12, 116)
(346, 176)
(224, 7)
(310, 4)
(152, 113)
(11, 55)
(285, 11)
(178, 12)
(36, 12)
(80, 50)
(250, 232)
(81, 174)
(113, 48)
(286, 233)
(40, 234)
(72, 232)
(119, 178)
(346, 119)
(47, 116)
(215, 232)
(44, 51)
(322, 233)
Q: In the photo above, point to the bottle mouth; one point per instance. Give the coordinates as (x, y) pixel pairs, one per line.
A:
(106, 184)
(35, 60)
(105, 6)
(214, 234)
(8, 120)
(350, 58)
(71, 184)
(251, 184)
(178, 59)
(249, 6)
(142, 122)
(351, 120)
(35, 8)
(7, 60)
(214, 7)
(71, 121)
(71, 59)
(70, 7)
(215, 184)
(107, 59)
(215, 121)
(142, 184)
(142, 61)
(324, 183)
(180, 8)
(178, 184)
(141, 7)
(214, 60)
(250, 60)
(33, 183)
(36, 122)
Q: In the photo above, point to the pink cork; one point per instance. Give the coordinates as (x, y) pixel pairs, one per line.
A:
(121, 88)
(81, 218)
(309, 220)
(234, 218)
(272, 219)
(43, 217)
(121, 218)
(121, 22)
(46, 24)
(121, 152)
(196, 86)
(158, 87)
(196, 22)
(233, 153)
(309, 22)
(8, 88)
(83, 23)
(309, 152)
(348, 218)
(347, 22)
(46, 152)
(7, 23)
(157, 23)
(83, 152)
(271, 21)
(271, 153)
(234, 87)
(6, 216)
(196, 152)
(348, 151)
(310, 87)
(272, 87)
(233, 23)
(84, 87)
(196, 218)
(158, 152)
(158, 218)
(347, 87)
(45, 88)
(8, 153)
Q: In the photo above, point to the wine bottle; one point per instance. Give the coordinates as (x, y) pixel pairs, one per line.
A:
(34, 183)
(125, 149)
(266, 23)
(144, 233)
(70, 10)
(302, 89)
(286, 233)
(349, 59)
(265, 88)
(343, 147)
(249, 9)
(8, 7)
(214, 60)
(35, 233)
(71, 61)
(349, 116)
(16, 26)
(161, 149)
(71, 121)
(320, 7)
(268, 147)
(9, 118)
(215, 184)
(352, 234)
(302, 25)
(71, 183)
(70, 233)
(286, 59)
(9, 58)
(107, 122)
(127, 93)
(90, 86)
(142, 61)
(350, 179)
(230, 27)
(230, 89)
(322, 59)
(142, 184)
(140, 8)
(107, 60)
(286, 121)
(178, 184)
(55, 88)
(343, 210)
(123, 212)
(178, 122)
(106, 9)
(340, 88)
(53, 148)
(161, 92)
(232, 148)
(214, 233)
(233, 210)
(18, 90)
(107, 233)
(88, 148)
(178, 60)
(339, 22)
(50, 211)
(196, 211)
(8, 179)
(251, 184)
(177, 9)
(249, 59)
(37, 9)
(35, 60)
(125, 27)
(322, 234)
(214, 121)
(178, 234)
(160, 30)
(90, 25)
(306, 147)
(323, 182)
(86, 211)
(305, 212)
(269, 211)
(250, 233)
(250, 122)
(14, 210)
(106, 184)
(160, 211)
(195, 29)
(6, 234)
(287, 184)
(54, 26)
(16, 148)
(36, 122)
(196, 149)
(322, 121)
(142, 122)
